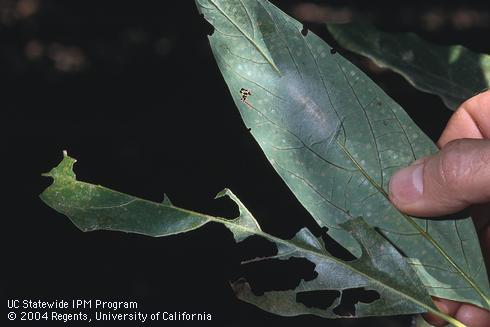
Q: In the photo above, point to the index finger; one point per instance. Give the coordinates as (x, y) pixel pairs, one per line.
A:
(471, 120)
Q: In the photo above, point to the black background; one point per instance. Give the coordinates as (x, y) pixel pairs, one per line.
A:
(147, 112)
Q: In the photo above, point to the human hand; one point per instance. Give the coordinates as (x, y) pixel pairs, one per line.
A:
(449, 181)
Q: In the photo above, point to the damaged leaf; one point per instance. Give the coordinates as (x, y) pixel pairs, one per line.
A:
(380, 267)
(454, 73)
(336, 138)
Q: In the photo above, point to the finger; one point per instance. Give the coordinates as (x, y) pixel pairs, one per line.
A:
(446, 306)
(473, 316)
(471, 120)
(451, 180)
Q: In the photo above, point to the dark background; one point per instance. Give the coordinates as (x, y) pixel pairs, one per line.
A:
(130, 89)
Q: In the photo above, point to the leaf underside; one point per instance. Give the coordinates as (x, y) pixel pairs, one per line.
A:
(336, 138)
(454, 73)
(380, 267)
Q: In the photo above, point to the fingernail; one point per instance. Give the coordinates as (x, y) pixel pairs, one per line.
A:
(407, 185)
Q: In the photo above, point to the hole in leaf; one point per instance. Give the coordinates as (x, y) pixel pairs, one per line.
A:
(333, 51)
(318, 299)
(255, 246)
(310, 26)
(277, 275)
(335, 248)
(352, 296)
(206, 26)
(224, 207)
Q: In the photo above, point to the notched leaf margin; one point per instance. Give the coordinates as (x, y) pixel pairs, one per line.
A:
(380, 268)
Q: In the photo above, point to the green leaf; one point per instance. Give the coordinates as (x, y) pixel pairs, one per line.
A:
(452, 72)
(380, 268)
(336, 138)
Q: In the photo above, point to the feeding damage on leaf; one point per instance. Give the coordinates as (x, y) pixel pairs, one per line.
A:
(244, 94)
(379, 268)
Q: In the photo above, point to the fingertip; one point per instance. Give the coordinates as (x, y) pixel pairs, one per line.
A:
(406, 186)
(446, 306)
(473, 316)
(469, 120)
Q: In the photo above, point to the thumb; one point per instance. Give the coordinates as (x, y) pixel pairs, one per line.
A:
(449, 181)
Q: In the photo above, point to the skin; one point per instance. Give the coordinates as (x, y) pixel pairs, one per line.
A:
(455, 178)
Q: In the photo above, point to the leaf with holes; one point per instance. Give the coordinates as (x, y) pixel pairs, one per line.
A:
(336, 138)
(380, 268)
(452, 72)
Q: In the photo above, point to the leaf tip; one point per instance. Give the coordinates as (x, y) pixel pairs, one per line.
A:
(223, 193)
